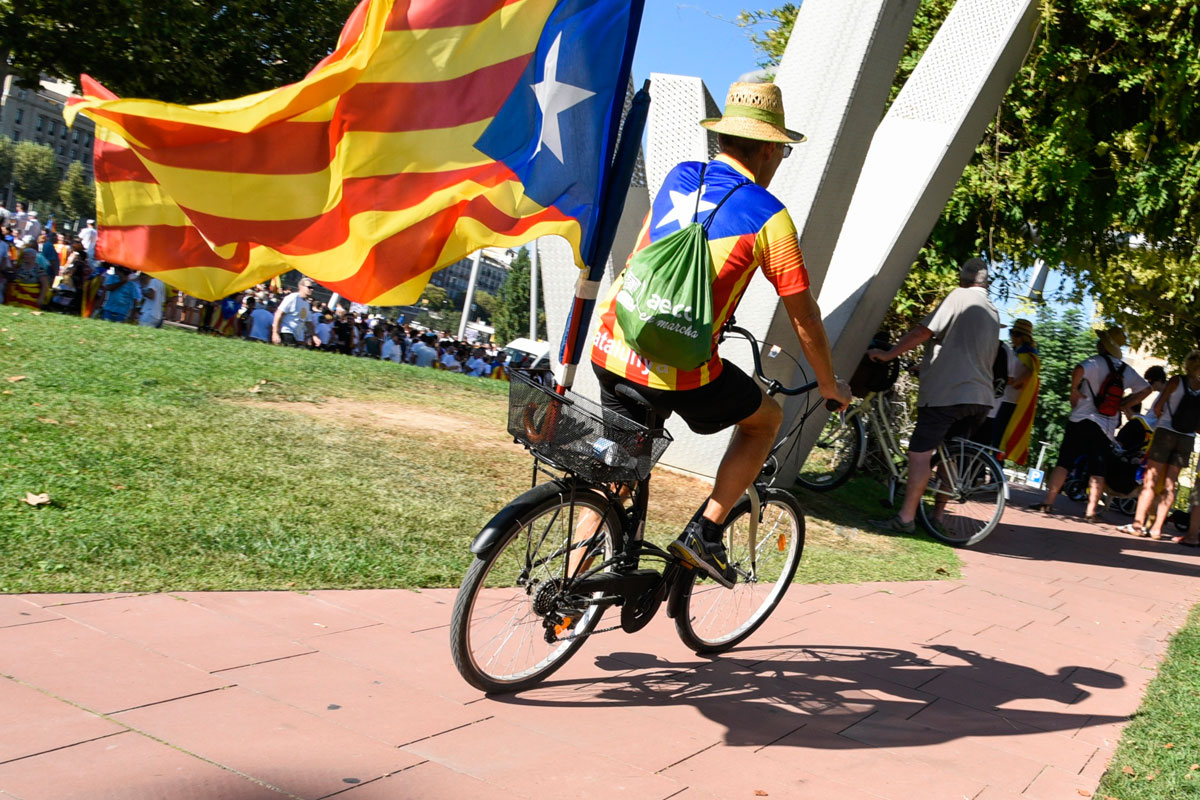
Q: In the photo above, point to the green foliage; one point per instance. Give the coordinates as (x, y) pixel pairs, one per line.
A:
(485, 305)
(1097, 147)
(35, 171)
(1159, 749)
(8, 151)
(434, 298)
(1063, 342)
(773, 40)
(77, 193)
(176, 50)
(511, 320)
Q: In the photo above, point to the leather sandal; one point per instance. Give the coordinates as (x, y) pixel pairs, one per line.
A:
(1133, 529)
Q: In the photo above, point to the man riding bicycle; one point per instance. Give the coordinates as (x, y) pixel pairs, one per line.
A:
(753, 229)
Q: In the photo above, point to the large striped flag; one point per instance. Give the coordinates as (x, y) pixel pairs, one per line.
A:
(435, 128)
(1015, 439)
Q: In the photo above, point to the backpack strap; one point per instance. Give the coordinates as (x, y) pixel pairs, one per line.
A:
(708, 222)
(699, 192)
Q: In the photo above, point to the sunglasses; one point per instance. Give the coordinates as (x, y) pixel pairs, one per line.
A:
(787, 150)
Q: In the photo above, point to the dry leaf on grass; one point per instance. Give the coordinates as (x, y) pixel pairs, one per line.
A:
(36, 313)
(36, 500)
(47, 421)
(1194, 767)
(1169, 745)
(1128, 770)
(254, 390)
(1084, 792)
(15, 378)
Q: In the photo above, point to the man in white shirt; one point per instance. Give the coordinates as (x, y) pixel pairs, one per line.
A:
(423, 352)
(323, 330)
(1090, 433)
(153, 295)
(33, 228)
(293, 319)
(477, 367)
(88, 236)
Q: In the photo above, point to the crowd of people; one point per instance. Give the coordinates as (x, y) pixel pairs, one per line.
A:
(41, 269)
(974, 386)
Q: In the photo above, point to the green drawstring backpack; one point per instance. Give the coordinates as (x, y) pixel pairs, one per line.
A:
(665, 305)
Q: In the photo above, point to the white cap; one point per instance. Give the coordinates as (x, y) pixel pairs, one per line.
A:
(91, 222)
(33, 213)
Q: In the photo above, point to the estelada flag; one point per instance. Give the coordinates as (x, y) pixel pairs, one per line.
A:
(436, 127)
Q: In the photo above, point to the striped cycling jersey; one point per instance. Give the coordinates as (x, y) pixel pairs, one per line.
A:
(753, 229)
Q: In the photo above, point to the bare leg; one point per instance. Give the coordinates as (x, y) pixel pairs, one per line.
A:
(1053, 486)
(743, 459)
(1165, 501)
(1146, 498)
(919, 472)
(1095, 489)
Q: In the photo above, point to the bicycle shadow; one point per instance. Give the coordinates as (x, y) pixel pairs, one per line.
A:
(834, 696)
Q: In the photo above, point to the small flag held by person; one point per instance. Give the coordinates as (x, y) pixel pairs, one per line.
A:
(433, 129)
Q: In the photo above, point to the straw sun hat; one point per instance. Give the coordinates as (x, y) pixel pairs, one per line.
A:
(1112, 340)
(754, 111)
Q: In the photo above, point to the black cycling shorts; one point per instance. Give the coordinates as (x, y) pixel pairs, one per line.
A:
(726, 401)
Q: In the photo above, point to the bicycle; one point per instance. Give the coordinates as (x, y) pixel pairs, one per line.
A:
(967, 492)
(553, 560)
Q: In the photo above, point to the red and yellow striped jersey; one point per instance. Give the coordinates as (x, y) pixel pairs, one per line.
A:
(753, 229)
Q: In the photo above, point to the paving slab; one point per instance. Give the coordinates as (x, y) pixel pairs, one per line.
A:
(1013, 682)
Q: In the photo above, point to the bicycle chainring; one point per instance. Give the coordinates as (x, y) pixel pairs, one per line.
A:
(637, 614)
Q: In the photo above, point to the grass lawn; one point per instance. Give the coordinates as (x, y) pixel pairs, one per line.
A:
(1159, 753)
(175, 461)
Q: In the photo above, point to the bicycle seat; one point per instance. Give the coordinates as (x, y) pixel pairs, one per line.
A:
(633, 394)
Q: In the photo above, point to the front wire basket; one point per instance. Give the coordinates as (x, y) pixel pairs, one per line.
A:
(577, 435)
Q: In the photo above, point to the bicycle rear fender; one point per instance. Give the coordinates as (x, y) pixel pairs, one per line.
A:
(487, 538)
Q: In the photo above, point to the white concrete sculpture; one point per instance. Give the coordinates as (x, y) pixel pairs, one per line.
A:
(917, 155)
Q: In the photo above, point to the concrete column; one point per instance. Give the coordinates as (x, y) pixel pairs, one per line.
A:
(470, 298)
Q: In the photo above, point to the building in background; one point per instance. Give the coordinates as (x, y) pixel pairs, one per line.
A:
(36, 115)
(493, 271)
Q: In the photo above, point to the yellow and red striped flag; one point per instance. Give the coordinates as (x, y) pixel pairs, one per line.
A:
(436, 127)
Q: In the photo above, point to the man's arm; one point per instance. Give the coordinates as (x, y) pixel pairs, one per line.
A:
(1135, 398)
(1161, 403)
(275, 337)
(909, 341)
(1076, 382)
(806, 321)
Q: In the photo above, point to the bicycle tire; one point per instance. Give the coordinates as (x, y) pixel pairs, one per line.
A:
(978, 501)
(702, 604)
(505, 602)
(835, 455)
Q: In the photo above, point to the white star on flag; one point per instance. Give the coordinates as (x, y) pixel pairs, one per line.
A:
(553, 98)
(683, 206)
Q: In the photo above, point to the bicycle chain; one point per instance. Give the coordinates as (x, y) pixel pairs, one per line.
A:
(589, 633)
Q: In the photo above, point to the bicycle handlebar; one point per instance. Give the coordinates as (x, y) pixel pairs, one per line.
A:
(774, 386)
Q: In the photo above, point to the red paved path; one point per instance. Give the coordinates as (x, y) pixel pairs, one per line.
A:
(1013, 682)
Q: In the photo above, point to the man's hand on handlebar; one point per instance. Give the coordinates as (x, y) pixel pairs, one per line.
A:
(840, 396)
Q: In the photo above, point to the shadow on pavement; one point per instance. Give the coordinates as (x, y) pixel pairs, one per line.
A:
(806, 696)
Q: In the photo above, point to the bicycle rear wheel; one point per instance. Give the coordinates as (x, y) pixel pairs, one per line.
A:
(835, 455)
(498, 627)
(964, 512)
(710, 618)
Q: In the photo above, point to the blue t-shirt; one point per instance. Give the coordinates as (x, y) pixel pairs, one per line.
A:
(121, 299)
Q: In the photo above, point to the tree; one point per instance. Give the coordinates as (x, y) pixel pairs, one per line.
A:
(1063, 342)
(176, 50)
(77, 193)
(511, 320)
(1096, 146)
(7, 154)
(35, 171)
(485, 305)
(434, 298)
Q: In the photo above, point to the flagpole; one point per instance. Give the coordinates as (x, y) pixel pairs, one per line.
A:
(587, 287)
(533, 292)
(470, 298)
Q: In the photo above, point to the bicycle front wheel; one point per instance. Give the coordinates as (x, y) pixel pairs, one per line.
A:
(765, 551)
(512, 624)
(966, 494)
(835, 455)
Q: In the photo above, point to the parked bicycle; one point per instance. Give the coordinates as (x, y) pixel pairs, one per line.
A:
(550, 563)
(966, 494)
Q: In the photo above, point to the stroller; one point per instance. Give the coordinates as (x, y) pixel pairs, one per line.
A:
(1126, 466)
